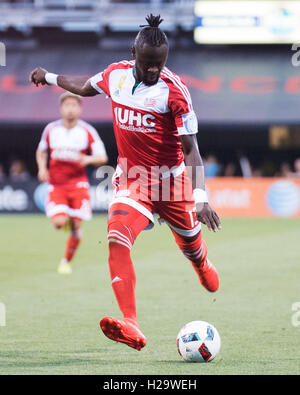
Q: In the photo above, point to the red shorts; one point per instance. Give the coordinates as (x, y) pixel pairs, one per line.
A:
(174, 202)
(73, 201)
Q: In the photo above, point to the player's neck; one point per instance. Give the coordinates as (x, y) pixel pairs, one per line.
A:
(70, 124)
(137, 79)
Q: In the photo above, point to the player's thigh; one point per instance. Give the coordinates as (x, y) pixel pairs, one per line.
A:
(57, 208)
(79, 204)
(181, 218)
(128, 216)
(179, 212)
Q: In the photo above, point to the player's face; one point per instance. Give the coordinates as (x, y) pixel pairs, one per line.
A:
(70, 109)
(149, 62)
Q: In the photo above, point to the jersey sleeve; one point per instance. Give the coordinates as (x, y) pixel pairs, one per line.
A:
(44, 142)
(180, 104)
(95, 145)
(100, 81)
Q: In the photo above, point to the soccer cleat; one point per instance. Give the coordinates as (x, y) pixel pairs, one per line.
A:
(64, 267)
(124, 331)
(209, 277)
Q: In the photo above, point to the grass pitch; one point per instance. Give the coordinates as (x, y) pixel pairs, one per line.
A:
(52, 320)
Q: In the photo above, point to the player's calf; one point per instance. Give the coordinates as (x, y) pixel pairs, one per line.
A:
(122, 273)
(73, 242)
(194, 248)
(124, 225)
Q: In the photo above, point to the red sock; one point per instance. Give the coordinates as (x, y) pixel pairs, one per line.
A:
(123, 279)
(72, 245)
(193, 249)
(124, 225)
(122, 273)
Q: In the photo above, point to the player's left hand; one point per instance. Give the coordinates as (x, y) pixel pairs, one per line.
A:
(208, 216)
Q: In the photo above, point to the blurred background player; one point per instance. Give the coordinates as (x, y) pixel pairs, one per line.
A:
(153, 121)
(70, 144)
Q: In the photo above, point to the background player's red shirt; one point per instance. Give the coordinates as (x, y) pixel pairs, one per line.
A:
(65, 147)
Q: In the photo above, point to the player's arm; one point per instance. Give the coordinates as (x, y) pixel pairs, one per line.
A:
(78, 85)
(95, 160)
(42, 160)
(193, 160)
(98, 155)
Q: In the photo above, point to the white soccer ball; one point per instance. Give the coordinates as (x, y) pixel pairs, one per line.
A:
(198, 341)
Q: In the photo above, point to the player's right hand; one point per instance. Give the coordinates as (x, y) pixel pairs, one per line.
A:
(43, 175)
(208, 216)
(37, 76)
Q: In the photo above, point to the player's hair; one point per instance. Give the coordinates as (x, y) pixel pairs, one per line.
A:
(151, 34)
(66, 95)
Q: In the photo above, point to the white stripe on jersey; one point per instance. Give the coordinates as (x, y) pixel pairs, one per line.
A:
(43, 145)
(176, 80)
(181, 87)
(94, 80)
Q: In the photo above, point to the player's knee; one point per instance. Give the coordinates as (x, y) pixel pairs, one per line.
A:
(190, 239)
(185, 242)
(76, 229)
(59, 222)
(119, 234)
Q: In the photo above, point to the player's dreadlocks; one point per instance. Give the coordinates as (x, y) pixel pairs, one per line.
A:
(151, 34)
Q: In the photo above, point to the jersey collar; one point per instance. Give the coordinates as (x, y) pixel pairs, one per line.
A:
(136, 84)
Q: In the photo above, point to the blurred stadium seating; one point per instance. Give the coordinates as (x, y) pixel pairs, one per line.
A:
(94, 15)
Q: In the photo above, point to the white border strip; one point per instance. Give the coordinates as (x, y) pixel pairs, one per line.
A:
(186, 232)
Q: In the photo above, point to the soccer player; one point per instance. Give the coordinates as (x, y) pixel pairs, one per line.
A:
(155, 128)
(72, 144)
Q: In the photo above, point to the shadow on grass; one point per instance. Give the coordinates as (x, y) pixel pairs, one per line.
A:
(27, 360)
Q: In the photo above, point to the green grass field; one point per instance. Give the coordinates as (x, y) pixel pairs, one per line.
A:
(52, 321)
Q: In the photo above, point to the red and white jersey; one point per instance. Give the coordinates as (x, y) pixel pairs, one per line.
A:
(147, 119)
(66, 146)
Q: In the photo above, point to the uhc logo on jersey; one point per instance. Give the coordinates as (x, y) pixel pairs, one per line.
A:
(134, 121)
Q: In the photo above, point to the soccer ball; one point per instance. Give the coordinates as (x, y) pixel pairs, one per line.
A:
(198, 341)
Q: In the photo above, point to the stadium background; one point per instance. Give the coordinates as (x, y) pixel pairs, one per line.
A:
(245, 89)
(245, 92)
